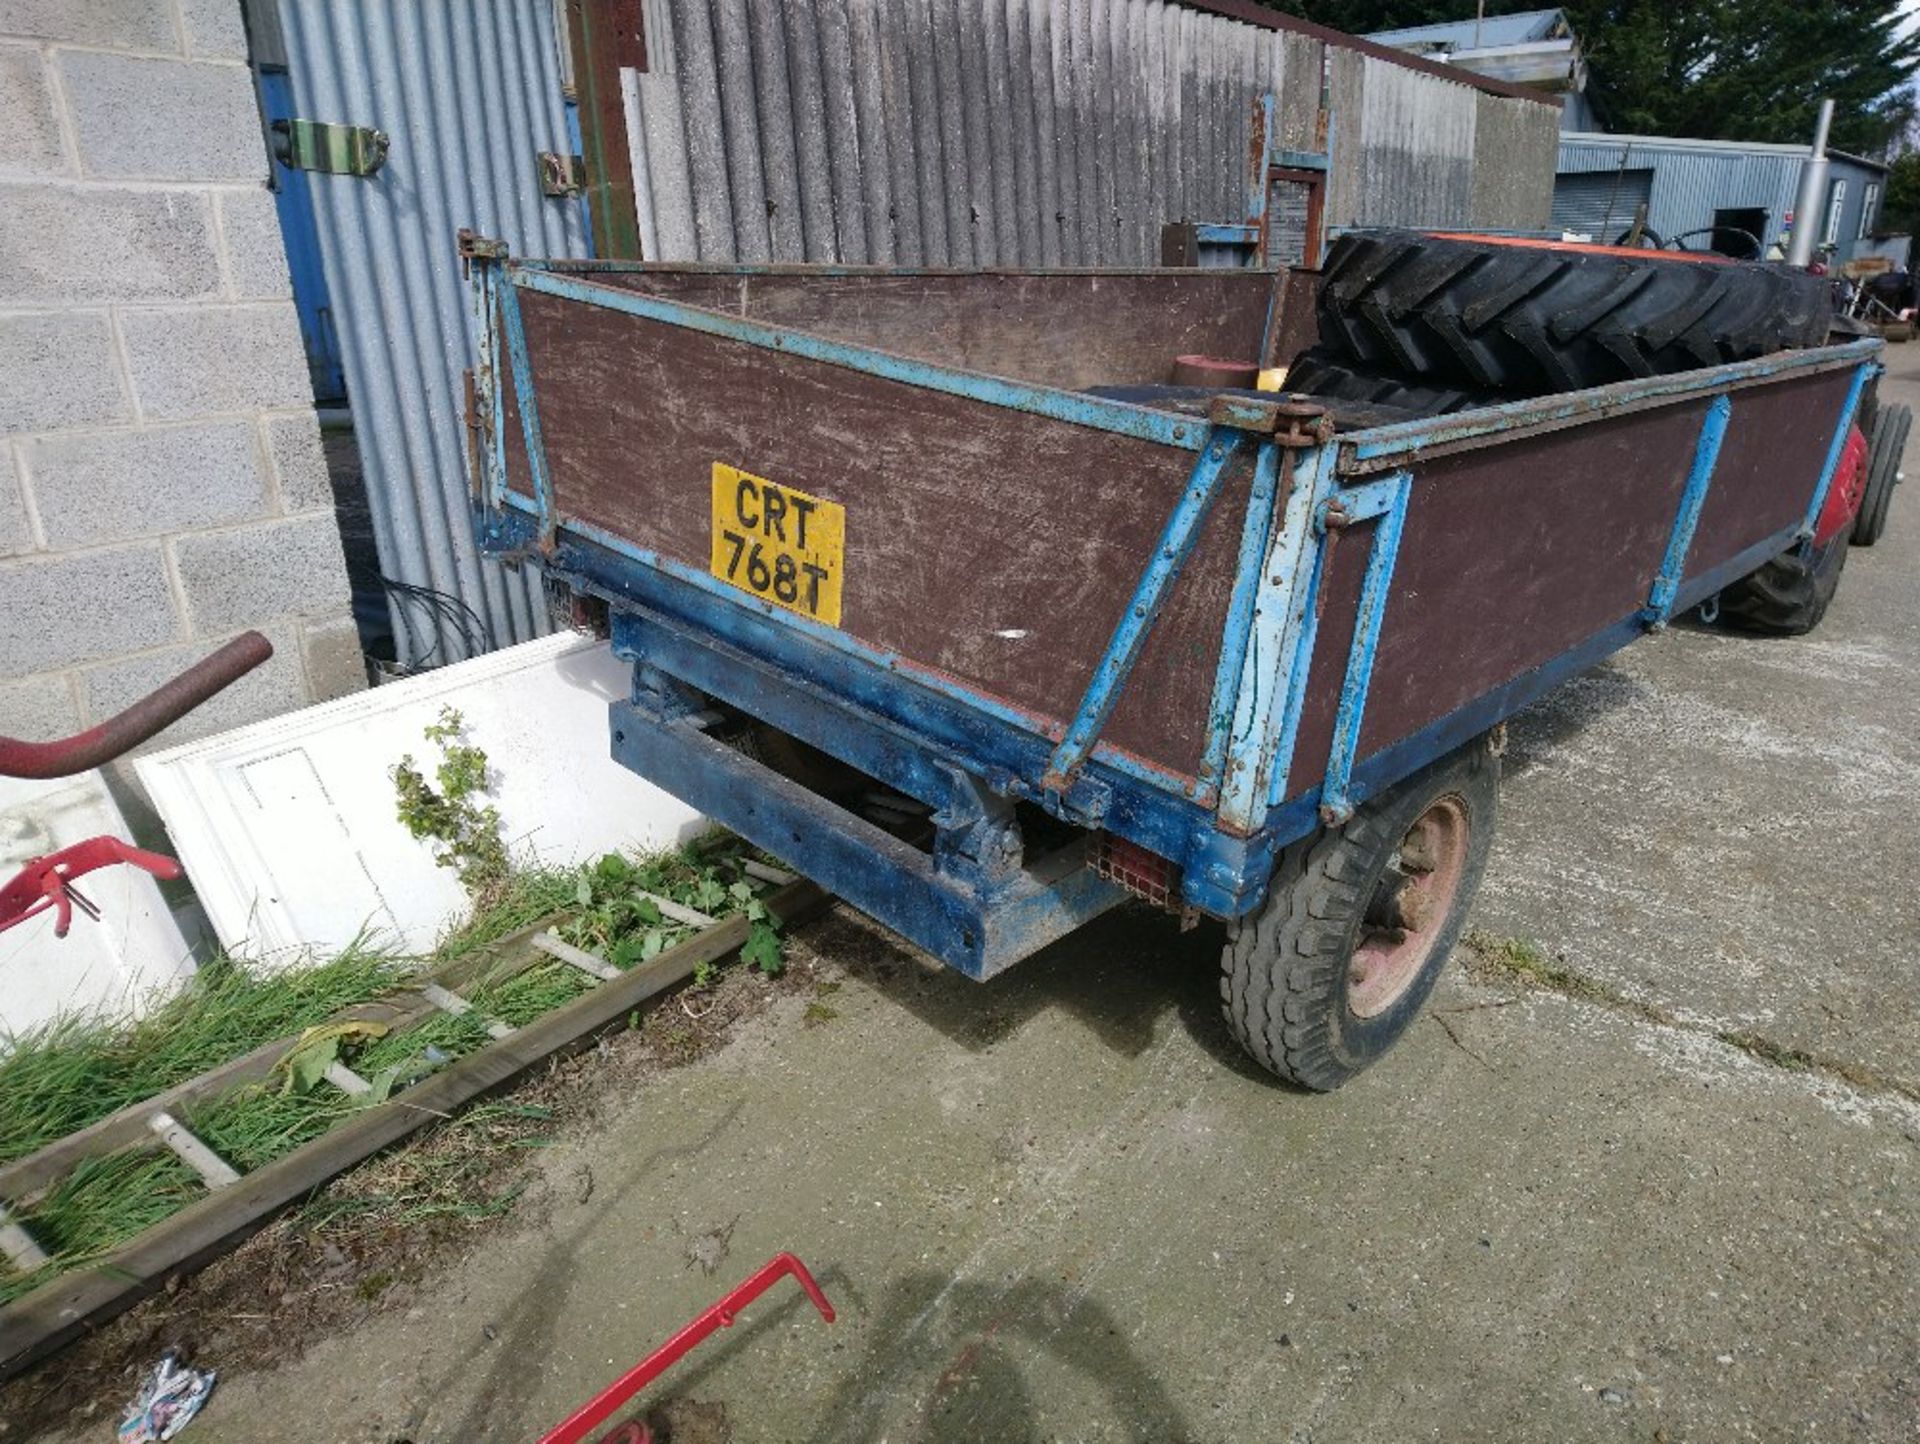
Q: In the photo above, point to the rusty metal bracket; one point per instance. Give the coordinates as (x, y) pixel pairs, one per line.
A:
(471, 246)
(561, 176)
(321, 145)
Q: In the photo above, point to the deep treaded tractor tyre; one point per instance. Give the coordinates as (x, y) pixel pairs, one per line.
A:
(1323, 372)
(1890, 427)
(1358, 923)
(1787, 596)
(1529, 318)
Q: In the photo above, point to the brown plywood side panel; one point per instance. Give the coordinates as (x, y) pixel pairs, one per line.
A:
(1065, 329)
(1776, 444)
(1511, 555)
(990, 544)
(1340, 583)
(1295, 327)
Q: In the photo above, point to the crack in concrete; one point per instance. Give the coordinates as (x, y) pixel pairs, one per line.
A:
(1492, 960)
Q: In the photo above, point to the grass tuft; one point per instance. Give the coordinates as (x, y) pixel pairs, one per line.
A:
(73, 1072)
(1520, 960)
(101, 1204)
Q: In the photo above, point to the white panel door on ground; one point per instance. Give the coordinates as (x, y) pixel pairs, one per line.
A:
(290, 831)
(129, 958)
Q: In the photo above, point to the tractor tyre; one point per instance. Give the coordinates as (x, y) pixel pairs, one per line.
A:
(1890, 427)
(1323, 372)
(1788, 596)
(1529, 318)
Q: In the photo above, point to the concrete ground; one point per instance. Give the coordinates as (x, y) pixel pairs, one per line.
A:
(1060, 1207)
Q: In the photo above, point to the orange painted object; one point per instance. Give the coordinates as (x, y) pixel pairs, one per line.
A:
(1588, 248)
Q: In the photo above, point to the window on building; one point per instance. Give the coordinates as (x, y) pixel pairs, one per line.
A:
(1869, 210)
(1836, 203)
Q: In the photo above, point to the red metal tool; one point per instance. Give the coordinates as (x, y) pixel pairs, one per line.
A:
(595, 1412)
(47, 882)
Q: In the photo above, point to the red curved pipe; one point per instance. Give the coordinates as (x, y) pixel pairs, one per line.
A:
(142, 720)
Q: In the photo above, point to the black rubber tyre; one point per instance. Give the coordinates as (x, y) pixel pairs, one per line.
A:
(1789, 595)
(1288, 972)
(1884, 454)
(1323, 372)
(1532, 319)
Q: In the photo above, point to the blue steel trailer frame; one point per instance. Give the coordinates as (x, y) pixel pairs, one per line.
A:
(976, 899)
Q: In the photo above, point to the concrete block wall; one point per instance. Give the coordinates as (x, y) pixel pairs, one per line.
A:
(162, 483)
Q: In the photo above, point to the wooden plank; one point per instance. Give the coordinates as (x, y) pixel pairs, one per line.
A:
(214, 1170)
(591, 964)
(18, 1245)
(1070, 329)
(760, 870)
(25, 1179)
(40, 1322)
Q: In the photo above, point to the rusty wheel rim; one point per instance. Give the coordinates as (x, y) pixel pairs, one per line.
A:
(1409, 908)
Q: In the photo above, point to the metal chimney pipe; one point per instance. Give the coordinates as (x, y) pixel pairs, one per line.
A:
(1810, 205)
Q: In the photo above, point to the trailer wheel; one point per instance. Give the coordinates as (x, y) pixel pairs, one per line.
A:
(1788, 596)
(1324, 372)
(1358, 923)
(1533, 317)
(1890, 427)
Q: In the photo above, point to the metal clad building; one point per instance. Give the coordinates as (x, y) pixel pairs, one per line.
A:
(1694, 185)
(1034, 132)
(471, 96)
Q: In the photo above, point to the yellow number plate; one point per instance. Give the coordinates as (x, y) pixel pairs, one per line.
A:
(779, 544)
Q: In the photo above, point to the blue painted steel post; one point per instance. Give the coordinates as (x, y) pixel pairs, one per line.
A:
(491, 484)
(1254, 537)
(1169, 558)
(1838, 445)
(509, 302)
(1706, 453)
(1388, 500)
(1266, 702)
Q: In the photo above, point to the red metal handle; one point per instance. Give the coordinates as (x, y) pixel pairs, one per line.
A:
(590, 1415)
(46, 883)
(142, 720)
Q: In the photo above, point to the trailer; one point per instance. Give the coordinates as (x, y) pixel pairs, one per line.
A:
(933, 589)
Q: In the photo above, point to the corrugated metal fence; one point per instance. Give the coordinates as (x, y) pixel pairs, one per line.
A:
(469, 92)
(1030, 132)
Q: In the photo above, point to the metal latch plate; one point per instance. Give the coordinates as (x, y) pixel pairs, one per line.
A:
(320, 145)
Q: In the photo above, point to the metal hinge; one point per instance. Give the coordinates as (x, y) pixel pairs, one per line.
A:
(331, 149)
(562, 175)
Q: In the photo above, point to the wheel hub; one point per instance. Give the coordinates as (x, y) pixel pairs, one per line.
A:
(1409, 908)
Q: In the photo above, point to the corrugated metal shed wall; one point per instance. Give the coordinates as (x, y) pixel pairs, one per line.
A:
(469, 92)
(1028, 132)
(1690, 184)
